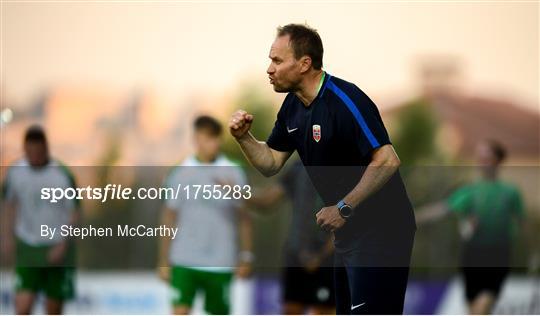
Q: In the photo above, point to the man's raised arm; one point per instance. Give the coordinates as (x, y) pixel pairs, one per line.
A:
(265, 159)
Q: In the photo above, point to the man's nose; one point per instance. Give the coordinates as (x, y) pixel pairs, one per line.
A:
(270, 70)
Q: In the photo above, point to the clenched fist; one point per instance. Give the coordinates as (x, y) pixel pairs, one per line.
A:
(240, 123)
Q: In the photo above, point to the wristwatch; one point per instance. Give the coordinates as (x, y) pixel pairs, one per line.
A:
(345, 210)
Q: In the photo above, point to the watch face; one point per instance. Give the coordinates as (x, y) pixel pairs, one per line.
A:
(345, 211)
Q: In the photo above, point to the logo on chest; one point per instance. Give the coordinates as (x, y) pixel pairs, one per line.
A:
(316, 133)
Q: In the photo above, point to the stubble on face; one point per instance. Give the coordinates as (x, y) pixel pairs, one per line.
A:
(283, 68)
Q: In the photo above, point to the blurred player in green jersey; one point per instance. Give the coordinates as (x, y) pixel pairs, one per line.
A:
(490, 211)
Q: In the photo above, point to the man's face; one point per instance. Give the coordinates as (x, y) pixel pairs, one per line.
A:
(206, 144)
(36, 153)
(285, 71)
(485, 157)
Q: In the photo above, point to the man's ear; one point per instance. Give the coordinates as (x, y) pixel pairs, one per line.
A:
(305, 63)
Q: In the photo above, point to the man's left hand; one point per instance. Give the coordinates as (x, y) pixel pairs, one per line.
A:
(328, 218)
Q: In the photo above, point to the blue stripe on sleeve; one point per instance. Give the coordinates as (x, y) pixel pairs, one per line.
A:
(354, 110)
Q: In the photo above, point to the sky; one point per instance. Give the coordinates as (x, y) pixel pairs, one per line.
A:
(181, 48)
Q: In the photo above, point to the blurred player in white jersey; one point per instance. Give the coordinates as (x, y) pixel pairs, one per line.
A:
(204, 254)
(43, 264)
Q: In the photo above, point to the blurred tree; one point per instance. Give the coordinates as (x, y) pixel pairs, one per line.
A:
(415, 140)
(427, 180)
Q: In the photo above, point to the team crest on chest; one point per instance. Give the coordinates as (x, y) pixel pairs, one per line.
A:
(317, 133)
